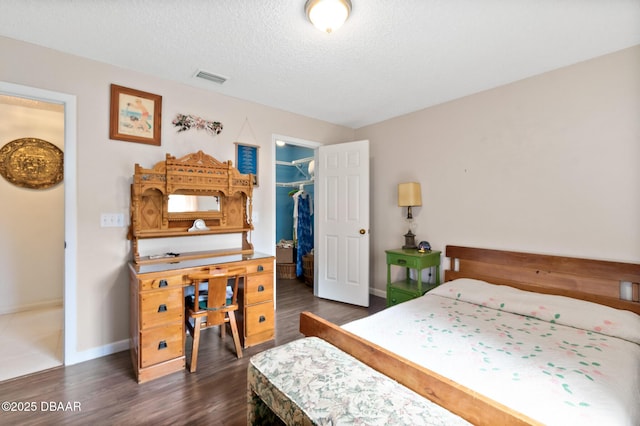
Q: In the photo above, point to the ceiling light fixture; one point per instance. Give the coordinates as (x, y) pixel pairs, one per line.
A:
(327, 15)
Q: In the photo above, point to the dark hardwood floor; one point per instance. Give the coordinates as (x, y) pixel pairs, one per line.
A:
(104, 391)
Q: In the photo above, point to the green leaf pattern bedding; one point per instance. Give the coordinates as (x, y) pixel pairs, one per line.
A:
(558, 360)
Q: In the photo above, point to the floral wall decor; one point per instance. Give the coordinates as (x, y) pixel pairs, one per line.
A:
(185, 122)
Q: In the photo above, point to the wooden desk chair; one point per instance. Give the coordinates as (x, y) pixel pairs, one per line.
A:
(212, 308)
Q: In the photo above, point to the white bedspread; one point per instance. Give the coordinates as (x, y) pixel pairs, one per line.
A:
(557, 360)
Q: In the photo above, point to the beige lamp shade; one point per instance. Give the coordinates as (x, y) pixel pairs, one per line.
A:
(409, 194)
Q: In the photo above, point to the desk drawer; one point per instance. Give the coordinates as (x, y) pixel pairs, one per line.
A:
(261, 265)
(161, 307)
(402, 260)
(162, 282)
(161, 344)
(259, 288)
(259, 318)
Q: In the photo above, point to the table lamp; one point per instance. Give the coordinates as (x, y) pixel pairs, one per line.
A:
(409, 196)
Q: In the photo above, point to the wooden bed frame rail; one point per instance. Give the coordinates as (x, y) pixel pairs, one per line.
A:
(592, 280)
(464, 402)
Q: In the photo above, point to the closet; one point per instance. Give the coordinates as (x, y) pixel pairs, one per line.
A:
(294, 211)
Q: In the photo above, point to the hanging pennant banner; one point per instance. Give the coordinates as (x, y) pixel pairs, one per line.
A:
(247, 160)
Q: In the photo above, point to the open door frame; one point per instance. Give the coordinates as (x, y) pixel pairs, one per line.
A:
(70, 354)
(361, 299)
(290, 141)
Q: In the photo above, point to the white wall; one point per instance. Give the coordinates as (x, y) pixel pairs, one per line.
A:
(549, 164)
(31, 220)
(105, 166)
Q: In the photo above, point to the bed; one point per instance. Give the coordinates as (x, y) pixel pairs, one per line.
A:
(511, 338)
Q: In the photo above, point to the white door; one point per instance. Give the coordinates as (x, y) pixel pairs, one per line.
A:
(342, 222)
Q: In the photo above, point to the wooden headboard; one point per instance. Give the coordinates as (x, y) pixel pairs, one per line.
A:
(592, 280)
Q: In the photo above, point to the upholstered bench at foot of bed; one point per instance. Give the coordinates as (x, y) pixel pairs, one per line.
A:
(310, 382)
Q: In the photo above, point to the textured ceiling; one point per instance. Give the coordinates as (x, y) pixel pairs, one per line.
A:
(390, 58)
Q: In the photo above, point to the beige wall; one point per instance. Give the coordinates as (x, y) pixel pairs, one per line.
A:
(549, 164)
(105, 167)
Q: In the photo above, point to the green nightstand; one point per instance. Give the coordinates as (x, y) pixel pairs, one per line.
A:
(401, 291)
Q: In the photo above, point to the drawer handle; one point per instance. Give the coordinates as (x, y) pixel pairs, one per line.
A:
(260, 268)
(162, 308)
(262, 318)
(163, 283)
(260, 288)
(162, 344)
(402, 262)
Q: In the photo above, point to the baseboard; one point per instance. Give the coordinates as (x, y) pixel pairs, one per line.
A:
(378, 292)
(49, 304)
(123, 345)
(89, 354)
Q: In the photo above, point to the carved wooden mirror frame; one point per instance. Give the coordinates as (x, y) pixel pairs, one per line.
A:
(193, 174)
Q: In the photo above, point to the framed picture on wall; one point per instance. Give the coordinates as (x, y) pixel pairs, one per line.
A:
(135, 116)
(247, 160)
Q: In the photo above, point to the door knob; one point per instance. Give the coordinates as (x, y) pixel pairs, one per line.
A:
(362, 232)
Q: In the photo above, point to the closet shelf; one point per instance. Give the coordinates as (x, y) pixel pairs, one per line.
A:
(296, 183)
(298, 165)
(295, 162)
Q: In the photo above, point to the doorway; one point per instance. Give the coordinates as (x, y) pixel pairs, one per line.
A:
(30, 295)
(67, 245)
(294, 201)
(345, 276)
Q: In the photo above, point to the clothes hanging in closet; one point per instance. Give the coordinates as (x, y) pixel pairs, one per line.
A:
(303, 227)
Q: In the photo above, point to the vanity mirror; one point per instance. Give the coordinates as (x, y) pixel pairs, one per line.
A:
(180, 203)
(167, 199)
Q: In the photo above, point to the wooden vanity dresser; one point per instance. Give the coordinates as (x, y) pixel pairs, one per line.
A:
(159, 281)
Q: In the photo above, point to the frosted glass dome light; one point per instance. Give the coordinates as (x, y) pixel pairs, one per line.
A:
(327, 15)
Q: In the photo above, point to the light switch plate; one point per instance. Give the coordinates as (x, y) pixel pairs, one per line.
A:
(112, 220)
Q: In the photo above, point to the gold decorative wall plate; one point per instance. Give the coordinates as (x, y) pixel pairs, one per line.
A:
(31, 163)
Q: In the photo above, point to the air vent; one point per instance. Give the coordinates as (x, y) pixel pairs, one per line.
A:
(211, 77)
